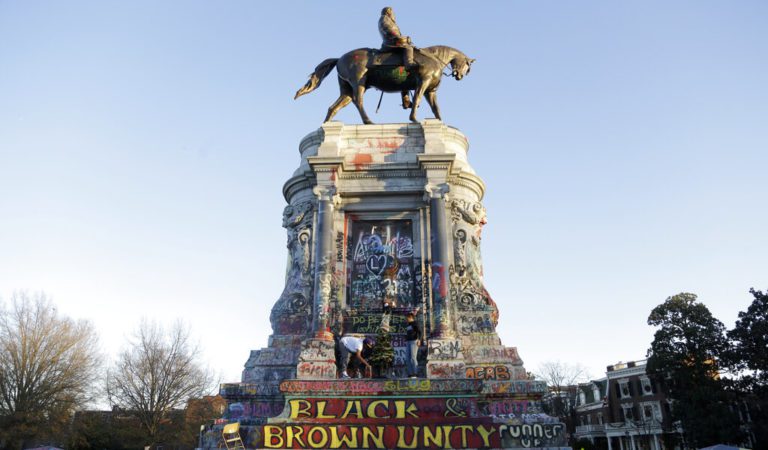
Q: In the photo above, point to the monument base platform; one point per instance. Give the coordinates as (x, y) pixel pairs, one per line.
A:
(414, 413)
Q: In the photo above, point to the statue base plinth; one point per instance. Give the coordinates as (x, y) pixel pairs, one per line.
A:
(406, 413)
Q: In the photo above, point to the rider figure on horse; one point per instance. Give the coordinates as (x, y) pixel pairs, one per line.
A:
(392, 39)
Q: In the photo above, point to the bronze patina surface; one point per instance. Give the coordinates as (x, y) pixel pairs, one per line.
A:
(397, 67)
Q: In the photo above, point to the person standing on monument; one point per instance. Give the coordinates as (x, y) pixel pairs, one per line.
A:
(350, 345)
(392, 39)
(412, 333)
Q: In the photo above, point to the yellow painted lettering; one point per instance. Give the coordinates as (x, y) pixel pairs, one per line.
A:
(433, 437)
(300, 408)
(321, 410)
(485, 434)
(372, 409)
(401, 437)
(447, 435)
(353, 405)
(294, 433)
(401, 409)
(377, 438)
(463, 429)
(314, 431)
(339, 439)
(273, 436)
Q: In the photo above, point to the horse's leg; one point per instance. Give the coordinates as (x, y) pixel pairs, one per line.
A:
(432, 100)
(417, 94)
(358, 98)
(345, 96)
(406, 99)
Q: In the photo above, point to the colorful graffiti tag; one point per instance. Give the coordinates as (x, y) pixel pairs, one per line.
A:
(399, 423)
(381, 263)
(471, 435)
(488, 372)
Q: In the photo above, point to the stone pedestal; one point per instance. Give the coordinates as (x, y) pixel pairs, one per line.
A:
(387, 213)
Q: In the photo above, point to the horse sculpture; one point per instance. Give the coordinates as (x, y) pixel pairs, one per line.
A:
(363, 68)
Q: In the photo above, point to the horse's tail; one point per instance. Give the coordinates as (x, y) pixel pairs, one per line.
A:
(317, 77)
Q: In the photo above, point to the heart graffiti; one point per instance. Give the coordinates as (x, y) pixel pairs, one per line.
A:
(377, 264)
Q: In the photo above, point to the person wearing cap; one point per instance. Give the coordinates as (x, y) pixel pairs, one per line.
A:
(349, 345)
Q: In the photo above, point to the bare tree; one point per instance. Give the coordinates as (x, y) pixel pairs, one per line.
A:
(559, 376)
(48, 365)
(158, 372)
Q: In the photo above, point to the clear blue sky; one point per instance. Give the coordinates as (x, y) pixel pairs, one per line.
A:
(144, 144)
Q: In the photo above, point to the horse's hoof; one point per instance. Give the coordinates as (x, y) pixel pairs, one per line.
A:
(367, 122)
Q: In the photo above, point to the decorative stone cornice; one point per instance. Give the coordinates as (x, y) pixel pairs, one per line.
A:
(297, 184)
(443, 161)
(469, 181)
(325, 163)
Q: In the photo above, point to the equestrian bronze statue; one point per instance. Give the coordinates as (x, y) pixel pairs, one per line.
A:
(397, 67)
(363, 68)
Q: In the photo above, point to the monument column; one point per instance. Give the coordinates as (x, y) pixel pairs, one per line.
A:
(317, 359)
(440, 261)
(445, 357)
(437, 162)
(325, 167)
(323, 266)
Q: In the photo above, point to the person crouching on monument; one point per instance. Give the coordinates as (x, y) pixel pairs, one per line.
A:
(349, 345)
(392, 39)
(412, 333)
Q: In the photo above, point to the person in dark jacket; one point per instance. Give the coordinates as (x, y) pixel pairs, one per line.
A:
(412, 334)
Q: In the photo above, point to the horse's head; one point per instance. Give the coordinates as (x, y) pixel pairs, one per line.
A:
(461, 66)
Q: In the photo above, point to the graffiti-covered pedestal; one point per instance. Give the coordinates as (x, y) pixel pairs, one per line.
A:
(387, 214)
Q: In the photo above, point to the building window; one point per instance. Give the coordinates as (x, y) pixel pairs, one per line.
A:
(651, 411)
(646, 386)
(624, 389)
(628, 413)
(600, 418)
(647, 412)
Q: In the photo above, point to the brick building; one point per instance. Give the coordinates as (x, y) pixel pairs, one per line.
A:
(625, 410)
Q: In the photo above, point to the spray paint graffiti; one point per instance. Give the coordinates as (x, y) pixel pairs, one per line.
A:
(488, 372)
(510, 408)
(531, 435)
(381, 263)
(470, 435)
(444, 350)
(370, 322)
(470, 323)
(445, 370)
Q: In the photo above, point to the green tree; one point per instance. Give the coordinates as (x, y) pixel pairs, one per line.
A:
(48, 365)
(685, 354)
(383, 354)
(749, 357)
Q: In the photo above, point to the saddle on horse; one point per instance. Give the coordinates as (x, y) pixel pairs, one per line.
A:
(392, 57)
